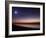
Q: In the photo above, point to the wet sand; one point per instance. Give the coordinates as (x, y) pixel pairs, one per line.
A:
(25, 26)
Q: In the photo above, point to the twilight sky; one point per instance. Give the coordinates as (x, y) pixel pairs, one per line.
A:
(23, 12)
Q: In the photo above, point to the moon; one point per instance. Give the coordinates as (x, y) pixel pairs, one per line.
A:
(16, 12)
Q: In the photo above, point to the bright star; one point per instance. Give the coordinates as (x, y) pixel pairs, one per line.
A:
(16, 12)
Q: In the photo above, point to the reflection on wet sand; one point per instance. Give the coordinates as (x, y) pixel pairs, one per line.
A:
(17, 27)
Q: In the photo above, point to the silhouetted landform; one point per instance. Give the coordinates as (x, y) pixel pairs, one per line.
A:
(32, 23)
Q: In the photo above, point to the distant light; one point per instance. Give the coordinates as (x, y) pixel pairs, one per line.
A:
(16, 12)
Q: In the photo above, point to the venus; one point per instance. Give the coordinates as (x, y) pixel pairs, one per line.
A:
(16, 12)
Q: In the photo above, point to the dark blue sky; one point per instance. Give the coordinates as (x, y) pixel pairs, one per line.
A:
(22, 12)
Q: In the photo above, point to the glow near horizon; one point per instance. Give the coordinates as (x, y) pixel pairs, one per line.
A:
(27, 20)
